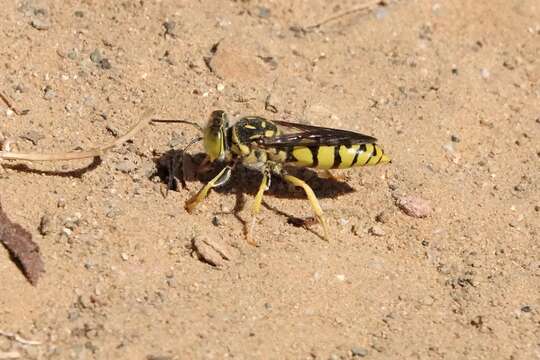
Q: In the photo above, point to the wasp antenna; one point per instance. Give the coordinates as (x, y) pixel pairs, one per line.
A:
(194, 124)
(192, 142)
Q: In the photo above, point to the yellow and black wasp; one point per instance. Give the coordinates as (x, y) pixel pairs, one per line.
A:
(258, 143)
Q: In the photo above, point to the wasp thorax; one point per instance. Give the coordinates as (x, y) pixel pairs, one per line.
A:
(214, 135)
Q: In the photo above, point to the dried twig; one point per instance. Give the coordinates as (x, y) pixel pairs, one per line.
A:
(364, 7)
(76, 155)
(20, 340)
(18, 241)
(10, 105)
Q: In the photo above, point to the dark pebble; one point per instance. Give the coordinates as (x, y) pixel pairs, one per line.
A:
(79, 13)
(526, 309)
(105, 64)
(48, 93)
(537, 208)
(455, 138)
(169, 28)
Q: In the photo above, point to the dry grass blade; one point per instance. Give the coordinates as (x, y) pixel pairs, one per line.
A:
(19, 339)
(10, 105)
(18, 242)
(364, 7)
(77, 155)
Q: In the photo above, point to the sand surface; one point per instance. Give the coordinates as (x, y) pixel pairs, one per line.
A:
(451, 89)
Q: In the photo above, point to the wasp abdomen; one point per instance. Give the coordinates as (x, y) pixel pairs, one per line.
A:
(337, 157)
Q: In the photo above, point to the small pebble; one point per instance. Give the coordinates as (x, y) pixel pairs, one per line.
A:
(124, 256)
(382, 217)
(79, 13)
(381, 13)
(169, 28)
(340, 277)
(48, 93)
(376, 230)
(455, 138)
(126, 166)
(358, 351)
(46, 225)
(537, 208)
(264, 12)
(96, 57)
(414, 206)
(40, 23)
(220, 87)
(485, 73)
(105, 64)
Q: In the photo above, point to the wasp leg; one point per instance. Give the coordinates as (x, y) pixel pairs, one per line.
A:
(219, 180)
(312, 200)
(256, 207)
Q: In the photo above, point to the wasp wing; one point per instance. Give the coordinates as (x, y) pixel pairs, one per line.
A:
(314, 135)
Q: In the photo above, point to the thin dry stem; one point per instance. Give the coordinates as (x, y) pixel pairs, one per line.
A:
(10, 105)
(368, 6)
(19, 339)
(77, 155)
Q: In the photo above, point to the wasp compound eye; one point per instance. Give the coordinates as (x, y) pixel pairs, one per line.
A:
(215, 135)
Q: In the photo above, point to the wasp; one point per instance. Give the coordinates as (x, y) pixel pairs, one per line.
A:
(260, 144)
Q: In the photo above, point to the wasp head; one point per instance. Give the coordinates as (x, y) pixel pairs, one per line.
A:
(215, 132)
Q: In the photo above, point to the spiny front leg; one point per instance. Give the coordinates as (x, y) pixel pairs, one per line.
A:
(256, 207)
(219, 180)
(312, 200)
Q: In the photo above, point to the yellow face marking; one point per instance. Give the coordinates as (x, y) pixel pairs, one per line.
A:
(303, 156)
(248, 126)
(269, 133)
(325, 155)
(363, 157)
(347, 155)
(263, 124)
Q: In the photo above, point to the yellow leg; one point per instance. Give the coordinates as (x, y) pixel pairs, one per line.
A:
(220, 179)
(312, 200)
(256, 207)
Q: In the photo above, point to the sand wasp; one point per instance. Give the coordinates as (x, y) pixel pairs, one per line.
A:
(260, 144)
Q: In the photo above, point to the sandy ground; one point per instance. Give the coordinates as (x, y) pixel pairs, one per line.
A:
(451, 90)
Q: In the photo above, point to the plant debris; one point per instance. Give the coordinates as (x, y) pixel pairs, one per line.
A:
(210, 251)
(414, 206)
(23, 250)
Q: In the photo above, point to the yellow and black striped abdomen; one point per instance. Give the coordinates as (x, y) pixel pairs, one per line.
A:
(336, 157)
